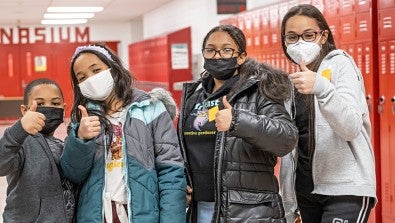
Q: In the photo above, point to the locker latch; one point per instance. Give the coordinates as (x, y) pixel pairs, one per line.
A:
(369, 102)
(393, 107)
(381, 104)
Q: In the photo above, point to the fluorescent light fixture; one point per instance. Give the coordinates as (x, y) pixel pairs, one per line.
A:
(68, 15)
(75, 9)
(63, 21)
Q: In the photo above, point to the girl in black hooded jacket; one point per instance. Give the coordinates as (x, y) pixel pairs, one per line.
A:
(233, 125)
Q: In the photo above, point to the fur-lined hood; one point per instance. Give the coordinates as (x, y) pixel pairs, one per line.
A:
(160, 94)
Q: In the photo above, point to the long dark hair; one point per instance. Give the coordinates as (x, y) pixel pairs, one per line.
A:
(314, 13)
(274, 83)
(123, 86)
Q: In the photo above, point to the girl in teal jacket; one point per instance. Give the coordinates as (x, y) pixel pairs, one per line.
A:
(122, 148)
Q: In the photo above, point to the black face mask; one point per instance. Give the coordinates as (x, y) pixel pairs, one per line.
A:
(221, 69)
(53, 118)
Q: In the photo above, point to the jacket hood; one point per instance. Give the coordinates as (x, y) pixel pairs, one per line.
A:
(334, 53)
(160, 94)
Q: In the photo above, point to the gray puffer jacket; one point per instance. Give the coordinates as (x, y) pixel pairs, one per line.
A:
(246, 189)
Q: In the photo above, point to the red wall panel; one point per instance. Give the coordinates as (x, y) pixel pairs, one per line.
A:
(10, 84)
(164, 61)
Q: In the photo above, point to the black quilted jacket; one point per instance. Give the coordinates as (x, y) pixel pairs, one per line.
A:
(246, 189)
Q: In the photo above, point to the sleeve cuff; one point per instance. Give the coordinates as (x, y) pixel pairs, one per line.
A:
(319, 85)
(17, 132)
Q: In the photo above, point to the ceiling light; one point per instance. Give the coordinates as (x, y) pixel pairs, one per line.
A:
(74, 9)
(63, 21)
(68, 15)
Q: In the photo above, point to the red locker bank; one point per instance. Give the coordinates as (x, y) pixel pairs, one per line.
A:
(24, 61)
(366, 30)
(164, 61)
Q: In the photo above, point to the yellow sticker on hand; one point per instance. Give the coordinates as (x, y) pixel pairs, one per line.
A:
(327, 73)
(212, 112)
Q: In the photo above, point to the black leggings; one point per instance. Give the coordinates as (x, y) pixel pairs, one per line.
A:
(316, 208)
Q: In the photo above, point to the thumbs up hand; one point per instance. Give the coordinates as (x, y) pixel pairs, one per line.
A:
(223, 118)
(32, 121)
(89, 125)
(304, 79)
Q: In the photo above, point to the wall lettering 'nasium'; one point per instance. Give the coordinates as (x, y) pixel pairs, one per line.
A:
(30, 35)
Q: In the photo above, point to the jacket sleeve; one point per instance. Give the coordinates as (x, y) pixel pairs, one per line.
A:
(170, 167)
(11, 153)
(271, 129)
(341, 104)
(77, 157)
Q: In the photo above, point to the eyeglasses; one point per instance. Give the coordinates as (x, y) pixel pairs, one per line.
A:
(306, 36)
(210, 53)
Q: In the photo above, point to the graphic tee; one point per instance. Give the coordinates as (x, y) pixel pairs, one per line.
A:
(200, 135)
(115, 189)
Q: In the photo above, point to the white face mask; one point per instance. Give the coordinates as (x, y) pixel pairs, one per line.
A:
(302, 50)
(98, 87)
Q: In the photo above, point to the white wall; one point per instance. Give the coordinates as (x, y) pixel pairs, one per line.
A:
(200, 15)
(115, 32)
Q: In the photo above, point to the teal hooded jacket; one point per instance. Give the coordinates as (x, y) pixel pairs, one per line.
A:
(153, 170)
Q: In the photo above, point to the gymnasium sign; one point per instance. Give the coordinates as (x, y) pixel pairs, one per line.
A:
(53, 34)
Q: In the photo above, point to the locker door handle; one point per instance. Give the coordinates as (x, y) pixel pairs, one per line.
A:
(381, 104)
(393, 105)
(369, 102)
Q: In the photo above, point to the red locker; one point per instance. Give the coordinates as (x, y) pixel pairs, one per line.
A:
(346, 7)
(265, 28)
(274, 37)
(385, 4)
(383, 110)
(165, 61)
(282, 10)
(331, 9)
(391, 120)
(334, 25)
(386, 24)
(347, 28)
(349, 48)
(363, 27)
(241, 22)
(362, 6)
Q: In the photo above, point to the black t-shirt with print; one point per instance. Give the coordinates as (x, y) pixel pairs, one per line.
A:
(200, 134)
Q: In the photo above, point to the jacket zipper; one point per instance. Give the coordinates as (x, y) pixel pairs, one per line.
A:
(312, 134)
(219, 171)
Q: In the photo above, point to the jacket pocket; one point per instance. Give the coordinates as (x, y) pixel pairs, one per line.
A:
(259, 207)
(51, 210)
